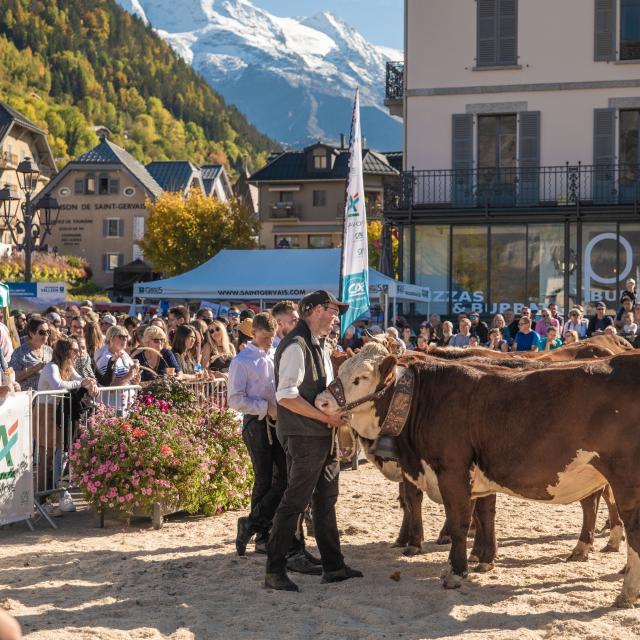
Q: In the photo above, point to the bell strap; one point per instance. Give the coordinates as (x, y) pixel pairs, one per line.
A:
(400, 405)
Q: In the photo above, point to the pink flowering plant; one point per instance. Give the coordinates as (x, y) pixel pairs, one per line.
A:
(183, 454)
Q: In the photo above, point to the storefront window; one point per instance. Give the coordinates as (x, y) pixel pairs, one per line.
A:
(469, 269)
(545, 268)
(320, 242)
(432, 266)
(508, 268)
(600, 262)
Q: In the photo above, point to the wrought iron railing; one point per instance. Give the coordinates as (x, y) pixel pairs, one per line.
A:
(283, 210)
(395, 81)
(559, 186)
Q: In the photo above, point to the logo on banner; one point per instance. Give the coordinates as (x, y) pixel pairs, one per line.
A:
(8, 439)
(356, 287)
(353, 203)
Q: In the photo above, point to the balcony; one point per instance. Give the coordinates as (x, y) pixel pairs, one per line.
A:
(554, 189)
(281, 210)
(394, 88)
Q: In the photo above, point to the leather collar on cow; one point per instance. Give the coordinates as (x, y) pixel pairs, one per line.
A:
(403, 385)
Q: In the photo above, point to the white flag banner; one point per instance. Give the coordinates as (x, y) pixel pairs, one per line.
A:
(355, 252)
(16, 465)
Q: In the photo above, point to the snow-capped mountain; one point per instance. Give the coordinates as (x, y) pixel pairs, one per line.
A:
(293, 77)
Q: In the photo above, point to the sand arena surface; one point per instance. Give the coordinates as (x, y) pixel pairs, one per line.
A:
(186, 582)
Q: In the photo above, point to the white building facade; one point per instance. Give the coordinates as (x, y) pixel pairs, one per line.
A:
(521, 151)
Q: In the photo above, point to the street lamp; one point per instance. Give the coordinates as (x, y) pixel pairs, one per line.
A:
(36, 221)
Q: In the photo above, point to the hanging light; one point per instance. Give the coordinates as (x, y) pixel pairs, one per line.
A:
(28, 174)
(49, 211)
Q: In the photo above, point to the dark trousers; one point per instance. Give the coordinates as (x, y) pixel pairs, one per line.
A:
(269, 470)
(313, 477)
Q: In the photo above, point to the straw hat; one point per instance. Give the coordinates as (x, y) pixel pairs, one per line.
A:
(246, 327)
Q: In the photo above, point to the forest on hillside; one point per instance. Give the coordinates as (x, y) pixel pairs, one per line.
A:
(70, 65)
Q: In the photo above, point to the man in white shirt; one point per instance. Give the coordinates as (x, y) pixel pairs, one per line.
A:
(286, 315)
(303, 370)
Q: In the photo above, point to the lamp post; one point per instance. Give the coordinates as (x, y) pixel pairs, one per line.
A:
(36, 221)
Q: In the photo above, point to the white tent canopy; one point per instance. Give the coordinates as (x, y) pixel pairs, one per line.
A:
(271, 274)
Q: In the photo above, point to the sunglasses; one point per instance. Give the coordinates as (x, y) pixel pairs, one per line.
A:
(157, 340)
(42, 332)
(124, 336)
(216, 330)
(233, 314)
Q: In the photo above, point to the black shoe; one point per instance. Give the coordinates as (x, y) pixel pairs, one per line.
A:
(261, 546)
(279, 582)
(341, 574)
(243, 535)
(311, 558)
(299, 563)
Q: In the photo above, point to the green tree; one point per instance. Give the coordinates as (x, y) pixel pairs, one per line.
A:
(185, 232)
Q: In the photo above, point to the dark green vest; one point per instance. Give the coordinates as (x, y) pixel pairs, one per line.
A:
(315, 381)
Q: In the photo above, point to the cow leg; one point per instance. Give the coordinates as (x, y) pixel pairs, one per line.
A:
(631, 584)
(584, 545)
(411, 532)
(443, 536)
(456, 496)
(484, 544)
(616, 531)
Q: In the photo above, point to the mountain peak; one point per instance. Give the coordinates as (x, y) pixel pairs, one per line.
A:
(293, 77)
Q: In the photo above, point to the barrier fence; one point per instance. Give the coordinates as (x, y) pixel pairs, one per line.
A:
(55, 420)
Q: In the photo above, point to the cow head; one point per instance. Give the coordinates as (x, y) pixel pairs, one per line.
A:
(370, 371)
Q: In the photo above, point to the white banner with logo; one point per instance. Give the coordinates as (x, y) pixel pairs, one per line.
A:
(355, 251)
(16, 463)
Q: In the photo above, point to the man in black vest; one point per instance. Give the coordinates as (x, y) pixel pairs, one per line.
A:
(303, 370)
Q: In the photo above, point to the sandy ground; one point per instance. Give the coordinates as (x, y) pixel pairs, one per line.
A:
(185, 581)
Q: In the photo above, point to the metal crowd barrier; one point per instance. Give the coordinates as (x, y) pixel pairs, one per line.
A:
(210, 391)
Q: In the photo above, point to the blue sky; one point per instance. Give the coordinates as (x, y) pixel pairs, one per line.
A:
(379, 21)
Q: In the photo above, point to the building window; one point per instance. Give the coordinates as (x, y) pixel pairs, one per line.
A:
(90, 184)
(286, 196)
(103, 184)
(286, 242)
(320, 161)
(497, 157)
(112, 228)
(629, 29)
(78, 186)
(319, 198)
(497, 33)
(112, 261)
(320, 241)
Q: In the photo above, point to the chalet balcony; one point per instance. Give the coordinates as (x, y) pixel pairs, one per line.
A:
(394, 87)
(281, 210)
(557, 188)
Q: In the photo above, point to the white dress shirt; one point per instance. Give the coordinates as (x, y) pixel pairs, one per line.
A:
(251, 384)
(291, 372)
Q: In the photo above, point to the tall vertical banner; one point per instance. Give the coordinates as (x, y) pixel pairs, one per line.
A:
(16, 463)
(354, 271)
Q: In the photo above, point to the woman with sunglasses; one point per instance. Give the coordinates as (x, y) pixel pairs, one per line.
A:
(184, 341)
(29, 358)
(154, 357)
(217, 351)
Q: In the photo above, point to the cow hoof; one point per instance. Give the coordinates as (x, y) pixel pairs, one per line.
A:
(443, 539)
(399, 543)
(484, 567)
(473, 559)
(623, 602)
(452, 581)
(610, 548)
(411, 550)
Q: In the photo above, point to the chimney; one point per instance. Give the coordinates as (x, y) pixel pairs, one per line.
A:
(342, 145)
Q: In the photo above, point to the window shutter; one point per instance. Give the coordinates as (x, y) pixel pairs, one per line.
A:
(528, 157)
(121, 227)
(78, 187)
(105, 262)
(462, 158)
(605, 36)
(120, 259)
(604, 150)
(114, 187)
(508, 32)
(105, 228)
(487, 30)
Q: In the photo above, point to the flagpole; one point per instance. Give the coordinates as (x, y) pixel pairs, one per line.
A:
(346, 195)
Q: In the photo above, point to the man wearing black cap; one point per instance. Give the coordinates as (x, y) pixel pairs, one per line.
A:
(302, 371)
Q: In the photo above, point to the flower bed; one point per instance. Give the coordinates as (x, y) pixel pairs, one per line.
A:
(169, 449)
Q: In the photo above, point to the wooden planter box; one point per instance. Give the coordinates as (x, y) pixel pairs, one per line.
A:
(157, 514)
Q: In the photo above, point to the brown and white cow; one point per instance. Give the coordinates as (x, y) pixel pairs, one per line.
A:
(560, 447)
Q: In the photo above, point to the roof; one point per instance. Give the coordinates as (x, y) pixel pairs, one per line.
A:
(106, 152)
(293, 165)
(175, 175)
(209, 174)
(8, 116)
(395, 159)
